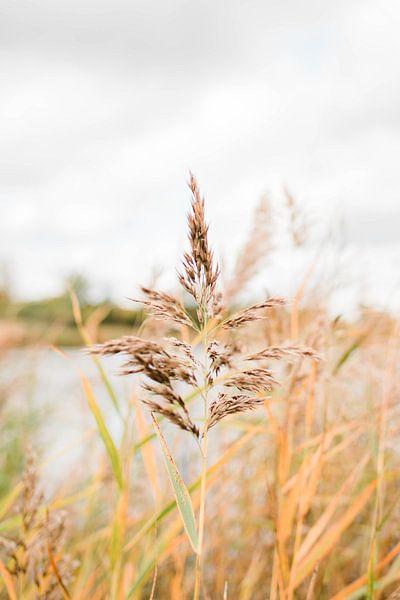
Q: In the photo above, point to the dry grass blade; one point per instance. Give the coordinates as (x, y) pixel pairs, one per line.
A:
(64, 591)
(326, 517)
(8, 582)
(154, 583)
(251, 578)
(149, 458)
(254, 252)
(103, 430)
(76, 310)
(157, 553)
(358, 583)
(330, 538)
(311, 587)
(298, 222)
(9, 499)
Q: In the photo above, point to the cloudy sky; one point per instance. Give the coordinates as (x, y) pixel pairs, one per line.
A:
(104, 106)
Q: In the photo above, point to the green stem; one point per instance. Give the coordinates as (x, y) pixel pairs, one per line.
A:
(203, 480)
(203, 487)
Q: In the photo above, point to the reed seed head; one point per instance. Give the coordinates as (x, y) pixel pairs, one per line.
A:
(252, 313)
(252, 380)
(164, 363)
(226, 405)
(279, 352)
(165, 307)
(200, 274)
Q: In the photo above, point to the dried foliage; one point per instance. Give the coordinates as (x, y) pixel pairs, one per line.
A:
(164, 306)
(231, 405)
(279, 352)
(200, 273)
(253, 313)
(302, 497)
(298, 221)
(220, 356)
(36, 556)
(254, 252)
(252, 380)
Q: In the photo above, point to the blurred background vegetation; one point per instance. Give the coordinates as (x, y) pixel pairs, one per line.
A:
(51, 320)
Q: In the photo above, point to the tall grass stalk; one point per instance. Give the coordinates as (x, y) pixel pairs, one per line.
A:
(246, 379)
(203, 451)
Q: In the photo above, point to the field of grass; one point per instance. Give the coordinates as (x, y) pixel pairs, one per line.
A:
(264, 463)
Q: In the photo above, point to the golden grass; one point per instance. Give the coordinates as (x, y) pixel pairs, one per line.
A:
(302, 495)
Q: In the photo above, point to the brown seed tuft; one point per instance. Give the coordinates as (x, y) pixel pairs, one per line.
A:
(172, 416)
(252, 380)
(252, 313)
(150, 358)
(220, 356)
(229, 405)
(27, 555)
(279, 352)
(165, 307)
(200, 275)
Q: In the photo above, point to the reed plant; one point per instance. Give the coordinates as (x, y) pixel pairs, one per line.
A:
(227, 381)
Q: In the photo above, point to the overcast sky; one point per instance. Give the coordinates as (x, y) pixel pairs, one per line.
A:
(104, 106)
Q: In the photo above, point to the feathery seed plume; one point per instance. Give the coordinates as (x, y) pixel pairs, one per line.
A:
(278, 352)
(229, 405)
(164, 306)
(163, 363)
(252, 313)
(200, 274)
(252, 255)
(252, 380)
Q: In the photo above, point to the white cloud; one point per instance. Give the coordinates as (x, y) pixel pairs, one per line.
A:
(104, 108)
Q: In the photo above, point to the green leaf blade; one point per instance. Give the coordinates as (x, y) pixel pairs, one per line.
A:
(103, 431)
(182, 496)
